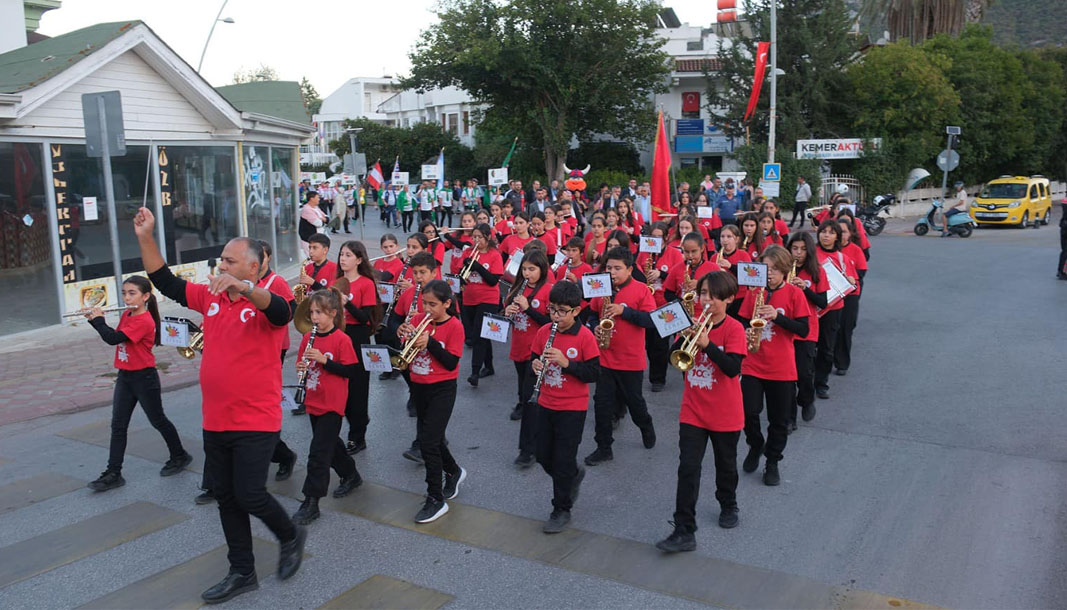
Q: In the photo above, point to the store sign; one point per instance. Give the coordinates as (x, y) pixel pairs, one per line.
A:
(703, 144)
(838, 148)
(689, 127)
(164, 177)
(63, 213)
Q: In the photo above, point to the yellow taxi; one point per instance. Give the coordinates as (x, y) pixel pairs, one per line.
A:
(1013, 200)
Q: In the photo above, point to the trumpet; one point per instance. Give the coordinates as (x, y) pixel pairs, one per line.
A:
(196, 345)
(407, 354)
(721, 256)
(756, 325)
(606, 327)
(684, 357)
(82, 312)
(689, 299)
(468, 267)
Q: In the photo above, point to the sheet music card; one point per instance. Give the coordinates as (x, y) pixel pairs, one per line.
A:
(753, 275)
(670, 319)
(495, 328)
(375, 358)
(596, 285)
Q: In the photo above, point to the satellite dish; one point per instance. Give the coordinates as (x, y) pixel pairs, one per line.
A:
(915, 176)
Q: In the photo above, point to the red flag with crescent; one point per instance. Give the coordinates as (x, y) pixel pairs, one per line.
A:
(762, 50)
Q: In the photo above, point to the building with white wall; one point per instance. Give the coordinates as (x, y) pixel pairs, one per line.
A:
(452, 108)
(357, 98)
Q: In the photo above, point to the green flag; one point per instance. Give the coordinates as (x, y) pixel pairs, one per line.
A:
(507, 159)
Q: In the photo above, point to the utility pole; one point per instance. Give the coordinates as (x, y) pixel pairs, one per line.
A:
(774, 79)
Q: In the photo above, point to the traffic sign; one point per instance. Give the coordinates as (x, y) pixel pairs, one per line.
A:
(948, 160)
(772, 172)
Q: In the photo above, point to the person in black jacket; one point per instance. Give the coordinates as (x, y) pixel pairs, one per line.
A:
(1061, 269)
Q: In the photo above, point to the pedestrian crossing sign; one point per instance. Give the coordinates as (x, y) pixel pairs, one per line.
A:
(772, 172)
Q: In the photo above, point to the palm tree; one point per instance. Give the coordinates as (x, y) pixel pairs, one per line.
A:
(918, 20)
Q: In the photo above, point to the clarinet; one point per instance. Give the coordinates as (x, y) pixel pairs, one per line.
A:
(389, 309)
(541, 376)
(302, 379)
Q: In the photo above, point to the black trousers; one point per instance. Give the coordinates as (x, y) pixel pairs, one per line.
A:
(236, 464)
(799, 208)
(433, 405)
(558, 435)
(408, 219)
(482, 356)
(824, 349)
(425, 215)
(444, 217)
(779, 395)
(1063, 250)
(658, 351)
(528, 423)
(327, 451)
(804, 353)
(618, 389)
(132, 387)
(692, 444)
(282, 452)
(850, 313)
(358, 387)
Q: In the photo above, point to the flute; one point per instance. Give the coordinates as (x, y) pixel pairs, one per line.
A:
(82, 312)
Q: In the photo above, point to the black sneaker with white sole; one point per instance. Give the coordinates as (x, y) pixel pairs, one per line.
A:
(452, 481)
(109, 479)
(432, 510)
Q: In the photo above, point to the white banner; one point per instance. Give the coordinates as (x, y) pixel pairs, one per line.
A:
(752, 274)
(495, 328)
(498, 176)
(514, 263)
(375, 358)
(400, 177)
(429, 172)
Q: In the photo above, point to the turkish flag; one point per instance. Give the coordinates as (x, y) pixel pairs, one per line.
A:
(762, 49)
(661, 167)
(374, 177)
(691, 101)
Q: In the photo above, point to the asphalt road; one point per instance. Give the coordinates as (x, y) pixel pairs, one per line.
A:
(935, 473)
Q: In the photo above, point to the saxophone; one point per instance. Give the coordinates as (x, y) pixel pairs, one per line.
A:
(649, 264)
(689, 299)
(756, 325)
(606, 327)
(792, 274)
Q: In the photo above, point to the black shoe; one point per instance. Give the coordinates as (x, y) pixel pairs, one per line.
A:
(469, 342)
(412, 412)
(432, 510)
(291, 554)
(751, 462)
(658, 387)
(109, 479)
(648, 436)
(347, 485)
(473, 380)
(308, 511)
(205, 498)
(233, 585)
(385, 376)
(807, 412)
(822, 393)
(615, 421)
(728, 518)
(525, 460)
(486, 373)
(790, 426)
(452, 481)
(681, 539)
(353, 447)
(516, 413)
(770, 474)
(285, 469)
(175, 465)
(557, 522)
(599, 456)
(841, 372)
(414, 454)
(298, 411)
(576, 486)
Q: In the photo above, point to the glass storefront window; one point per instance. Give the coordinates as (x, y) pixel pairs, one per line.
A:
(203, 214)
(28, 296)
(256, 177)
(287, 244)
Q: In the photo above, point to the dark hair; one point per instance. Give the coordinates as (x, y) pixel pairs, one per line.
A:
(575, 242)
(317, 238)
(330, 300)
(620, 236)
(811, 261)
(422, 239)
(721, 284)
(659, 224)
(535, 244)
(443, 292)
(851, 224)
(266, 247)
(538, 258)
(423, 259)
(427, 223)
(310, 193)
(621, 254)
(538, 215)
(832, 225)
(694, 236)
(365, 269)
(761, 216)
(777, 256)
(852, 221)
(389, 237)
(565, 293)
(142, 284)
(757, 235)
(487, 232)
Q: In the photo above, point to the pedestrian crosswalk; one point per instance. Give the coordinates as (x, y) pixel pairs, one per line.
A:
(382, 593)
(39, 487)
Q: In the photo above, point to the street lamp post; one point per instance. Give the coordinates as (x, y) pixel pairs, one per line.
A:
(774, 79)
(353, 139)
(218, 18)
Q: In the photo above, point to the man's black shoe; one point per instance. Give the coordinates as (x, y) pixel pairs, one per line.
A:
(233, 585)
(205, 498)
(291, 554)
(516, 413)
(841, 372)
(285, 469)
(598, 456)
(681, 539)
(431, 510)
(557, 522)
(414, 454)
(751, 462)
(298, 411)
(347, 485)
(525, 460)
(728, 518)
(109, 479)
(354, 447)
(473, 380)
(807, 412)
(486, 372)
(576, 486)
(658, 387)
(648, 436)
(308, 511)
(175, 465)
(822, 393)
(770, 474)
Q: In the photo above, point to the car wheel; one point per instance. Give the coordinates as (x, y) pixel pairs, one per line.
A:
(966, 230)
(1047, 218)
(922, 229)
(1025, 221)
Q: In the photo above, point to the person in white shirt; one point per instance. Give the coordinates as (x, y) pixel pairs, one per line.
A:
(959, 206)
(800, 200)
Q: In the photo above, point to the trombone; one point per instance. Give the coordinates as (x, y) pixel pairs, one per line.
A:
(407, 354)
(684, 357)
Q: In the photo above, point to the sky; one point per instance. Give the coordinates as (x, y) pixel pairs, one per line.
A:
(329, 41)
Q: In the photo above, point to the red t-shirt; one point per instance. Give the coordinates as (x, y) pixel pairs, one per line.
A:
(861, 236)
(561, 391)
(775, 360)
(513, 243)
(781, 227)
(551, 241)
(136, 353)
(523, 327)
(437, 249)
(476, 291)
(238, 339)
(403, 302)
(425, 368)
(704, 225)
(819, 287)
(677, 274)
(324, 275)
(859, 261)
(627, 351)
(844, 264)
(392, 267)
(503, 228)
(595, 247)
(664, 262)
(573, 222)
(326, 392)
(361, 293)
(822, 217)
(276, 284)
(712, 400)
(577, 272)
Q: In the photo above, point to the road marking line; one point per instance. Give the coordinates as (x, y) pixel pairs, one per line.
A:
(383, 592)
(37, 488)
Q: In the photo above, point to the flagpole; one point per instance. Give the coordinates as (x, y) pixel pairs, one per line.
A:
(774, 81)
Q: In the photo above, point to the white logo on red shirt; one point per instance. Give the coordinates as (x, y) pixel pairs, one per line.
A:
(554, 375)
(213, 309)
(572, 352)
(521, 322)
(313, 378)
(535, 303)
(251, 314)
(807, 283)
(322, 281)
(664, 269)
(328, 355)
(422, 365)
(701, 376)
(123, 356)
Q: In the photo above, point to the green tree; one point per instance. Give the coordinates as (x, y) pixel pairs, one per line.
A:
(549, 69)
(263, 72)
(312, 100)
(415, 146)
(814, 48)
(1057, 162)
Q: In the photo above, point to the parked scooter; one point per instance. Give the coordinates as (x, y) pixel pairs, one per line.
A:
(873, 216)
(958, 224)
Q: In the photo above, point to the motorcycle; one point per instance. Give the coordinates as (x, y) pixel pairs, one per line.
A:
(873, 216)
(958, 224)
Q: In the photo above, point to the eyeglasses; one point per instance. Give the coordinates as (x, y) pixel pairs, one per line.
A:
(561, 311)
